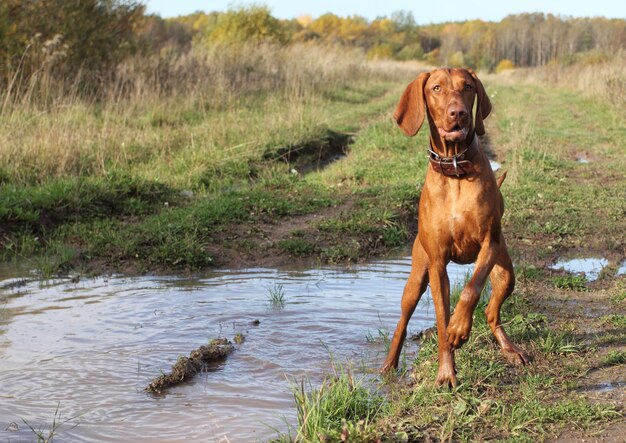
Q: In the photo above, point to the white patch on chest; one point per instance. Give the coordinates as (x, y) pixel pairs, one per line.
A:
(455, 218)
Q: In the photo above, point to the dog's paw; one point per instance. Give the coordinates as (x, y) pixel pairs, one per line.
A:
(446, 378)
(388, 368)
(459, 330)
(515, 355)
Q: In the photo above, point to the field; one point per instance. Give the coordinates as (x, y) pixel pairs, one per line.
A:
(179, 174)
(270, 163)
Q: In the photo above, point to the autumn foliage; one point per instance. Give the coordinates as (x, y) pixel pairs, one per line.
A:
(91, 38)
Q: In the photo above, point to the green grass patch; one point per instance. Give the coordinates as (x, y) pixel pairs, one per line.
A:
(494, 400)
(614, 358)
(573, 282)
(36, 208)
(552, 198)
(297, 246)
(184, 176)
(342, 408)
(344, 252)
(615, 320)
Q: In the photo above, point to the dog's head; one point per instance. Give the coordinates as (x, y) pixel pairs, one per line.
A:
(447, 95)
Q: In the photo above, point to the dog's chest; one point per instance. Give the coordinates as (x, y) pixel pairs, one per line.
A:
(466, 219)
(466, 234)
(458, 217)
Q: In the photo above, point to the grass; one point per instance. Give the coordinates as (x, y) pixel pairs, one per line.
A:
(297, 246)
(44, 435)
(276, 295)
(151, 182)
(194, 185)
(598, 79)
(564, 203)
(615, 320)
(341, 409)
(573, 282)
(614, 358)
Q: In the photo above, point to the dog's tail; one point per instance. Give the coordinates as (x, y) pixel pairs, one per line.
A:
(501, 179)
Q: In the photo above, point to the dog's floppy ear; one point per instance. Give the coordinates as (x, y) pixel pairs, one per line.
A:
(410, 110)
(483, 105)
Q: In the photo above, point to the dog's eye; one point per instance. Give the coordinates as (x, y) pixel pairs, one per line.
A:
(468, 87)
(436, 88)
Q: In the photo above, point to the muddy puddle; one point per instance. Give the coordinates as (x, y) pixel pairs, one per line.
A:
(590, 267)
(90, 348)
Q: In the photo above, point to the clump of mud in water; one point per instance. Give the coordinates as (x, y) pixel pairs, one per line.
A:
(185, 368)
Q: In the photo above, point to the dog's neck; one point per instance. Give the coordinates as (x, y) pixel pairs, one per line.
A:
(459, 163)
(463, 150)
(447, 149)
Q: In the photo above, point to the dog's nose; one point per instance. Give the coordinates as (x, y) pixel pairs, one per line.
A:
(457, 112)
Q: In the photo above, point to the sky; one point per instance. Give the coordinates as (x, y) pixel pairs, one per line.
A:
(424, 11)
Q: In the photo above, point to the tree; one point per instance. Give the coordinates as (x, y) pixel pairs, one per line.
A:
(247, 24)
(327, 27)
(94, 34)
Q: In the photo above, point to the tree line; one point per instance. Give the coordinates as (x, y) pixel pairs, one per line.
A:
(92, 36)
(532, 39)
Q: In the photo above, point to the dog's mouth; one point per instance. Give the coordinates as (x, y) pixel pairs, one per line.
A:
(455, 134)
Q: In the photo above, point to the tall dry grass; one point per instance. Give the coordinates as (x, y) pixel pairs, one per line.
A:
(602, 78)
(206, 104)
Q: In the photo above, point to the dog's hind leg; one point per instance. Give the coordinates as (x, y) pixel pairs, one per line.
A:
(415, 286)
(502, 284)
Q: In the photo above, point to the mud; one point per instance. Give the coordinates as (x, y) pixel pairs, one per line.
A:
(198, 361)
(315, 154)
(584, 314)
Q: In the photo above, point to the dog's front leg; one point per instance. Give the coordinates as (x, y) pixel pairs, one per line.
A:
(461, 321)
(440, 287)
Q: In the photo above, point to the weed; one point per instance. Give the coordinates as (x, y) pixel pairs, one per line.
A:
(608, 338)
(615, 320)
(59, 257)
(297, 246)
(614, 358)
(556, 343)
(585, 412)
(349, 252)
(276, 295)
(239, 338)
(380, 336)
(528, 273)
(620, 291)
(47, 436)
(573, 282)
(341, 409)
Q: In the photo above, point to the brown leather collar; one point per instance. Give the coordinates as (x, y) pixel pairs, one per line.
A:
(456, 166)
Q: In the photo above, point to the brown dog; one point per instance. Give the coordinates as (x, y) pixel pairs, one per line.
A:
(459, 216)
